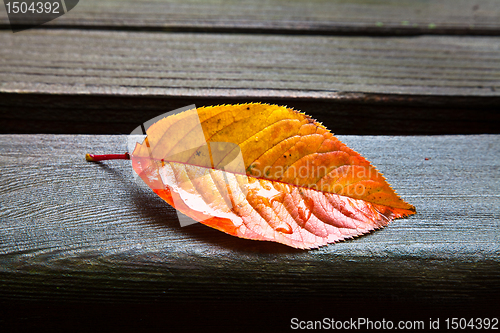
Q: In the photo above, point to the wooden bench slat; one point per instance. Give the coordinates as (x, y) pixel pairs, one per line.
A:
(316, 16)
(73, 230)
(211, 65)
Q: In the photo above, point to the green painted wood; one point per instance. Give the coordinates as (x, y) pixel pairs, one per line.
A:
(71, 230)
(297, 16)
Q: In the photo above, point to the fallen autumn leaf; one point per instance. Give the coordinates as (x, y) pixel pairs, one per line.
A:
(264, 172)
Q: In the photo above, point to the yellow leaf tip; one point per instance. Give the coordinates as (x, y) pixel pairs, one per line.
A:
(89, 158)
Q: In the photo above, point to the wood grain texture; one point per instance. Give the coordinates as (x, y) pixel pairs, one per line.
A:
(73, 230)
(263, 66)
(298, 16)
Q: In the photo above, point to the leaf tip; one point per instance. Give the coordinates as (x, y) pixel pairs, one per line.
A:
(90, 158)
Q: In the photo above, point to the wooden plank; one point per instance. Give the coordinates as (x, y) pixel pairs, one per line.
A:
(73, 230)
(313, 17)
(212, 65)
(82, 241)
(107, 82)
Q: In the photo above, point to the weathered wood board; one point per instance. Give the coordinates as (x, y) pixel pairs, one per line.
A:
(74, 81)
(263, 66)
(280, 16)
(73, 230)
